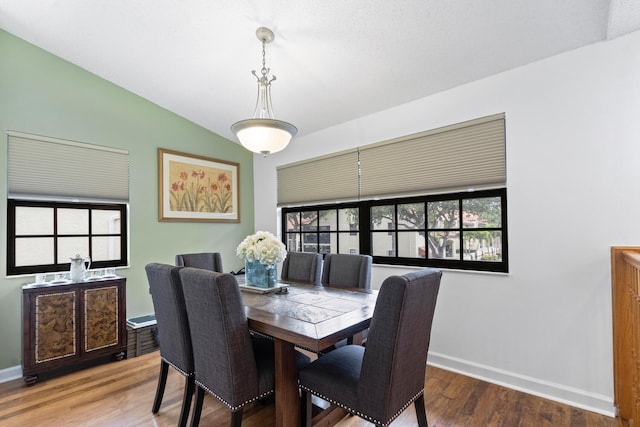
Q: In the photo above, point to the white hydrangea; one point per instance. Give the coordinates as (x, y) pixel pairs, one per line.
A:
(262, 246)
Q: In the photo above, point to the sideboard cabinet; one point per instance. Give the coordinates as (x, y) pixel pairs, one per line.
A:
(67, 324)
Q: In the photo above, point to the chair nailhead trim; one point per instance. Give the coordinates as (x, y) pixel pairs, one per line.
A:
(361, 415)
(176, 368)
(233, 408)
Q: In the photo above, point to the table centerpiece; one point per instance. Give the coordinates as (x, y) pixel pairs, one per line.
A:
(261, 252)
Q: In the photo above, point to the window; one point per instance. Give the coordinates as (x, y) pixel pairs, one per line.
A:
(456, 230)
(64, 198)
(43, 235)
(326, 231)
(435, 198)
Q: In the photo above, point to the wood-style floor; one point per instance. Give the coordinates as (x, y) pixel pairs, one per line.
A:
(121, 393)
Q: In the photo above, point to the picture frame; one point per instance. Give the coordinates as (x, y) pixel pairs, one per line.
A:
(194, 188)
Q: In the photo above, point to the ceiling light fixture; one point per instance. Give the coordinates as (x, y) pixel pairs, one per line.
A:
(262, 133)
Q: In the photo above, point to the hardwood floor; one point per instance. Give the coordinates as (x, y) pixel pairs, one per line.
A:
(121, 393)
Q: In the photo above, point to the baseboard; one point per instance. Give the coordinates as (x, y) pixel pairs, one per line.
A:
(12, 373)
(594, 402)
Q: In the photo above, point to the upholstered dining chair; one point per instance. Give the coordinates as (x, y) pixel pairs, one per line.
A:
(205, 260)
(305, 267)
(233, 365)
(173, 332)
(347, 270)
(379, 381)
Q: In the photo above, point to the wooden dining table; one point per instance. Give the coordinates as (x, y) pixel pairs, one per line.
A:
(309, 317)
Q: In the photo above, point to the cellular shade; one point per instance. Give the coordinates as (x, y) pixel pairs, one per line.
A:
(469, 155)
(323, 179)
(465, 156)
(49, 168)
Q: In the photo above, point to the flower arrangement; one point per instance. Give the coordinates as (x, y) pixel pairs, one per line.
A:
(262, 246)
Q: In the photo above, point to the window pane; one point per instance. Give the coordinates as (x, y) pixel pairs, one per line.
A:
(383, 244)
(328, 243)
(105, 248)
(293, 242)
(411, 244)
(411, 216)
(34, 251)
(105, 221)
(309, 242)
(382, 217)
(311, 247)
(293, 221)
(33, 221)
(68, 247)
(443, 214)
(482, 213)
(348, 219)
(444, 245)
(309, 220)
(73, 221)
(329, 220)
(349, 243)
(482, 245)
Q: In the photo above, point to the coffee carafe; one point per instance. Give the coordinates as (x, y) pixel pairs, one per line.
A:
(79, 266)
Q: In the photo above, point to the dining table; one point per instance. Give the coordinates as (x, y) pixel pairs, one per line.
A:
(308, 317)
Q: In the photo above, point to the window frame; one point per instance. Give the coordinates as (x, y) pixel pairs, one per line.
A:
(365, 230)
(12, 204)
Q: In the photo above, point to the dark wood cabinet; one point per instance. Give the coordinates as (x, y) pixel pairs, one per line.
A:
(67, 324)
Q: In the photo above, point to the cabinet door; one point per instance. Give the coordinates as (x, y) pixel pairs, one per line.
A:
(101, 318)
(55, 327)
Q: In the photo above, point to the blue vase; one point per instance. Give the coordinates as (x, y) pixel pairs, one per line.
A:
(260, 275)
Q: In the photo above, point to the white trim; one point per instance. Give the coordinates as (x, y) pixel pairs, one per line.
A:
(582, 399)
(10, 374)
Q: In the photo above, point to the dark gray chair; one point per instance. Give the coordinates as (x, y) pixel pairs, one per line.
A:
(379, 381)
(173, 332)
(231, 364)
(305, 267)
(206, 260)
(347, 270)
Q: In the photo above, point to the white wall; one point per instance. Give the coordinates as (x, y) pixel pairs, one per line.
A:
(573, 148)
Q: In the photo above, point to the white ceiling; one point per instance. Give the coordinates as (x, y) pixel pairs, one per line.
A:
(336, 60)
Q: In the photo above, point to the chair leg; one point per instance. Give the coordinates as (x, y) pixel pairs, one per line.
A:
(197, 408)
(162, 381)
(236, 418)
(307, 409)
(421, 414)
(189, 387)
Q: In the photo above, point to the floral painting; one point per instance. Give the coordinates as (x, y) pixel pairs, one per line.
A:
(196, 188)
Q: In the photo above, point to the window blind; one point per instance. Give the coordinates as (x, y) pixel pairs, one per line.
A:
(468, 155)
(49, 168)
(319, 180)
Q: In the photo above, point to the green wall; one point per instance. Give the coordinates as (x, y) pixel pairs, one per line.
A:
(45, 95)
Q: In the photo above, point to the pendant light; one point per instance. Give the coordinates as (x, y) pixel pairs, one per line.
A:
(262, 133)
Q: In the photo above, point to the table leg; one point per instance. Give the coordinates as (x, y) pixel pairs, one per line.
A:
(287, 397)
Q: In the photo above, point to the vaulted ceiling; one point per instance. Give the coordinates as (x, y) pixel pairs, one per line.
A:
(335, 60)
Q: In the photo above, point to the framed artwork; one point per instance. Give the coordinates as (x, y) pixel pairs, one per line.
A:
(195, 188)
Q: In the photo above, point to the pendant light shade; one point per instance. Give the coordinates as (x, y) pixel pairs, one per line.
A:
(262, 133)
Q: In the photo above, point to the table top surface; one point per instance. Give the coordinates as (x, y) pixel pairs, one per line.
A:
(308, 316)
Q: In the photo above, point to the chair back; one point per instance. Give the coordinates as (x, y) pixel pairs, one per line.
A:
(302, 267)
(174, 336)
(206, 260)
(347, 270)
(225, 364)
(395, 358)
